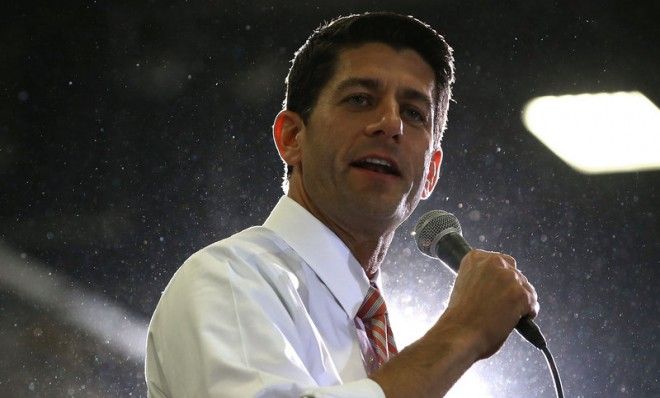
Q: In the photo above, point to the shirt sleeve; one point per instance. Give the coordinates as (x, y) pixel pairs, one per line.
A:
(221, 330)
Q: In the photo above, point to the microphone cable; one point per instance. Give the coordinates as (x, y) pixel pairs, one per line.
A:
(559, 390)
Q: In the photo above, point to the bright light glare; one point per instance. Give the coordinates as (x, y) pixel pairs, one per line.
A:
(470, 385)
(115, 327)
(409, 322)
(598, 133)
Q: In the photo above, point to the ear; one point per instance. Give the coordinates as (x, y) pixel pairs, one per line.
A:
(287, 140)
(433, 174)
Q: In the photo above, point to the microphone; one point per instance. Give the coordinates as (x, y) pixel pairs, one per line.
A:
(438, 234)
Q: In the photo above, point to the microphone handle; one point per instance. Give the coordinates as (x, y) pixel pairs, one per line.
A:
(451, 249)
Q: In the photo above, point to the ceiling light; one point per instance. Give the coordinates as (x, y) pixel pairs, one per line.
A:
(598, 133)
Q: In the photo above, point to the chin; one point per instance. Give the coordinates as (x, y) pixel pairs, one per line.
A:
(392, 213)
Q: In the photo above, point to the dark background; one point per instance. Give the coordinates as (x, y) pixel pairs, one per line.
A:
(131, 135)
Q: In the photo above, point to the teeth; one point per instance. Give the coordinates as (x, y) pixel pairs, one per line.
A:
(378, 161)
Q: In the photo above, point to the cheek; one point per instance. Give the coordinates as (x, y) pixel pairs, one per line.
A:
(321, 156)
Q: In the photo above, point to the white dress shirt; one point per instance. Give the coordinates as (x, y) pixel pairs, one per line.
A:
(268, 312)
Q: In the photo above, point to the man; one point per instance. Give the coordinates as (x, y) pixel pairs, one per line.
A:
(279, 310)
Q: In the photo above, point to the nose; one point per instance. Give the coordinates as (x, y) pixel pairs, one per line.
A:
(387, 121)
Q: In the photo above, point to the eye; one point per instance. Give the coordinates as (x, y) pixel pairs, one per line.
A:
(414, 115)
(358, 100)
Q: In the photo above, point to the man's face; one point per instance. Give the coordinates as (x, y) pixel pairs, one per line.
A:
(367, 147)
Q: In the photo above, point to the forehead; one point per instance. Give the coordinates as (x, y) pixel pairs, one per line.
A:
(402, 67)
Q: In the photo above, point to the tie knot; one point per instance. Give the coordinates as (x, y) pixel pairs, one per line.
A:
(373, 305)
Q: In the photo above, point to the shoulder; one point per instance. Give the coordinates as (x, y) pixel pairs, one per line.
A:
(211, 305)
(245, 254)
(254, 260)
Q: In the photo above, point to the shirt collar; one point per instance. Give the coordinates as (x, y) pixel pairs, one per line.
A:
(322, 250)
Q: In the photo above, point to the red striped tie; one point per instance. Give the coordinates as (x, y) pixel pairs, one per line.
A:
(373, 314)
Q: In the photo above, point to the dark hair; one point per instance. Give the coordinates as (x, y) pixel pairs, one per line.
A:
(315, 62)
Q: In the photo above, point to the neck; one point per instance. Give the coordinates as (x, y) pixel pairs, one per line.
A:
(369, 249)
(367, 243)
(370, 253)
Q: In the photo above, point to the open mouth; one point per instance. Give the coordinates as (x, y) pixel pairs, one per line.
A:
(378, 165)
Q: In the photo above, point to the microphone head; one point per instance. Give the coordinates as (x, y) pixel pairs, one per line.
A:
(431, 227)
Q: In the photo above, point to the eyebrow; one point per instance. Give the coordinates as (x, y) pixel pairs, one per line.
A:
(375, 84)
